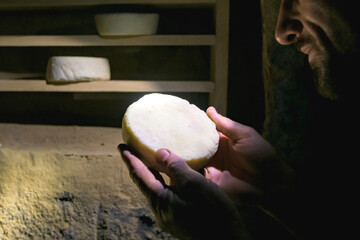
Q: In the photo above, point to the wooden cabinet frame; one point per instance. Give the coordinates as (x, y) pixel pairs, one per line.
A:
(216, 86)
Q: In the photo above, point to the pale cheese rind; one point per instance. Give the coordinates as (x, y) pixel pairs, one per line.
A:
(126, 24)
(164, 121)
(77, 69)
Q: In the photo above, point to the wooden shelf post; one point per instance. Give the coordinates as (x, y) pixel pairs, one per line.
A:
(219, 57)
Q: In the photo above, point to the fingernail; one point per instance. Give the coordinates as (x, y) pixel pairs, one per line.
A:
(122, 147)
(214, 109)
(206, 173)
(162, 154)
(202, 171)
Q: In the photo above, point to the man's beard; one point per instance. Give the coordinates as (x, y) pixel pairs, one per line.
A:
(335, 75)
(325, 77)
(325, 66)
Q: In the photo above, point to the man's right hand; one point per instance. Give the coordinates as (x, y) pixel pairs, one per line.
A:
(245, 165)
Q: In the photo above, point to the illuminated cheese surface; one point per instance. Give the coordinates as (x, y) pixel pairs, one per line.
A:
(164, 121)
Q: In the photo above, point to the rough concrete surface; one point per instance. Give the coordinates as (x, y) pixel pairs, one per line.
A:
(68, 182)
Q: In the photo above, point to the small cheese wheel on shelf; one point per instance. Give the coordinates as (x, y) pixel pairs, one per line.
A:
(65, 69)
(164, 121)
(126, 24)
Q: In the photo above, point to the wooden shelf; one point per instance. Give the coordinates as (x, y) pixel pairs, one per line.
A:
(107, 86)
(94, 40)
(218, 43)
(6, 4)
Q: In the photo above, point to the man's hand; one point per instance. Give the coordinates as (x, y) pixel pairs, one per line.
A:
(193, 208)
(245, 165)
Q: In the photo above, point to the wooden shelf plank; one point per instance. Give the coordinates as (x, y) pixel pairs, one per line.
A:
(107, 86)
(11, 4)
(94, 40)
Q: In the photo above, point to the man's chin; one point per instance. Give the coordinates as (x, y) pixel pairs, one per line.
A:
(324, 81)
(328, 94)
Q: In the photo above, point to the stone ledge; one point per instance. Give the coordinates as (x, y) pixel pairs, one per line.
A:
(62, 139)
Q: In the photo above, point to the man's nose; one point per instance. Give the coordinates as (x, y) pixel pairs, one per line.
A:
(288, 27)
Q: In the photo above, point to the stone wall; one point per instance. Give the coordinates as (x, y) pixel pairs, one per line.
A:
(68, 183)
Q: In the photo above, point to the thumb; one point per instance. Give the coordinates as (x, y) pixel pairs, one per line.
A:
(173, 166)
(226, 126)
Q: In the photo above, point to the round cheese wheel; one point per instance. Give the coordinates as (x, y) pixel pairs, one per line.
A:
(76, 69)
(126, 24)
(164, 121)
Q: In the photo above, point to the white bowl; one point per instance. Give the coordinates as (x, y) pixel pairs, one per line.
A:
(126, 24)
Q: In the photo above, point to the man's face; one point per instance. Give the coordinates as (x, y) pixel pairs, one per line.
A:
(319, 29)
